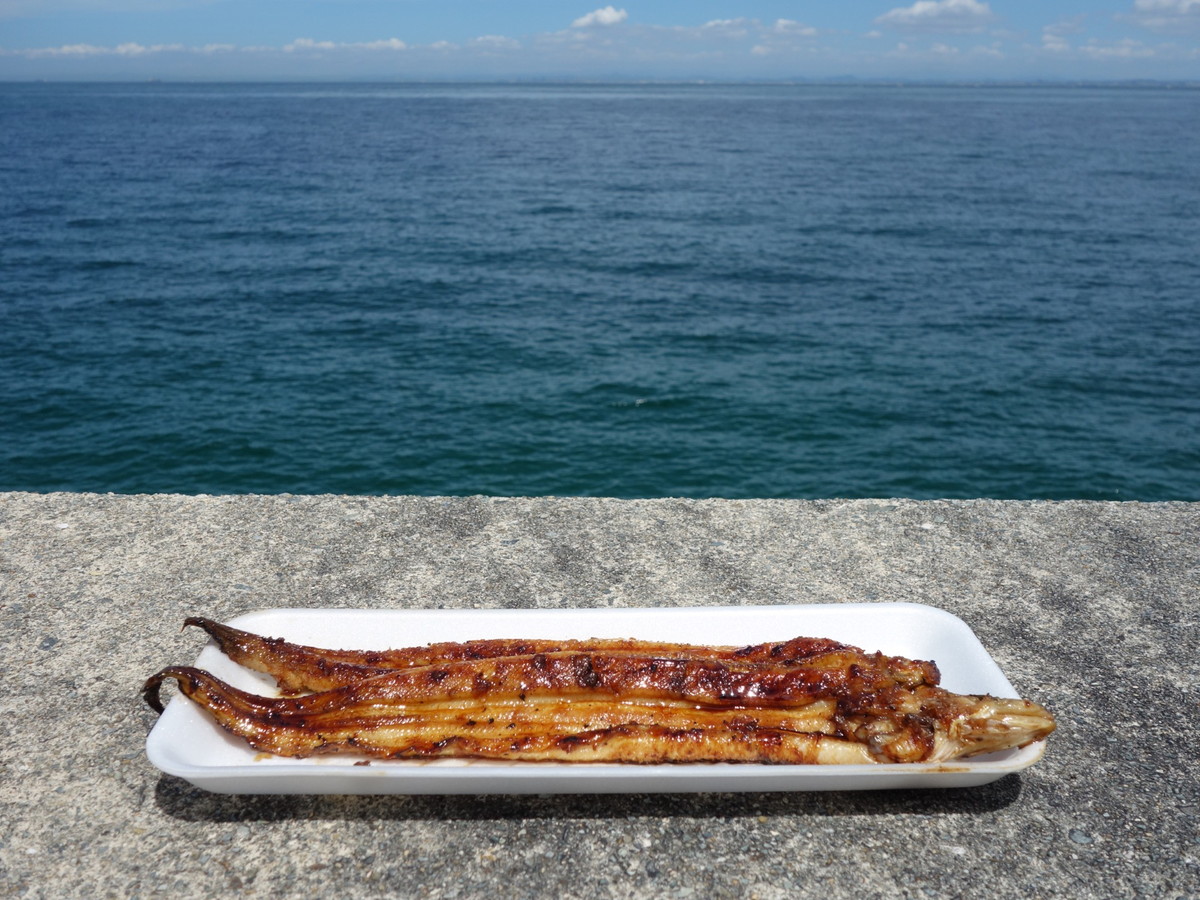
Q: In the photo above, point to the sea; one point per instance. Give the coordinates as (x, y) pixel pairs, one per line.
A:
(619, 290)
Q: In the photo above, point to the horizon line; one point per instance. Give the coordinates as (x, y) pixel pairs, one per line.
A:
(533, 80)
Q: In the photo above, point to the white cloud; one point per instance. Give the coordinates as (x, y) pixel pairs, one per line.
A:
(607, 15)
(1053, 43)
(126, 49)
(1054, 37)
(299, 45)
(1126, 49)
(1056, 40)
(731, 28)
(941, 53)
(307, 44)
(495, 42)
(938, 16)
(781, 38)
(1166, 15)
(388, 44)
(788, 26)
(1169, 7)
(132, 49)
(68, 50)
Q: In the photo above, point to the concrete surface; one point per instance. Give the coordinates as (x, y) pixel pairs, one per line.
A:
(1090, 608)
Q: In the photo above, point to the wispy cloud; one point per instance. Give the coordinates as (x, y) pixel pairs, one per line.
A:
(1166, 15)
(303, 45)
(783, 37)
(791, 27)
(495, 42)
(1055, 40)
(1124, 49)
(942, 54)
(126, 49)
(1055, 36)
(938, 16)
(732, 29)
(131, 49)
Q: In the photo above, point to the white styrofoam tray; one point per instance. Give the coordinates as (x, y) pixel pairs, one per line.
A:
(187, 743)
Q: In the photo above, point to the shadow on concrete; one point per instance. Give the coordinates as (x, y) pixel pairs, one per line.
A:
(180, 800)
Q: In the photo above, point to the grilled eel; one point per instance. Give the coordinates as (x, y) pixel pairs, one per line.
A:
(299, 669)
(841, 706)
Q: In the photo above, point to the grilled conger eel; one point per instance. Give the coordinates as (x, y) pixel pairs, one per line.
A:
(806, 700)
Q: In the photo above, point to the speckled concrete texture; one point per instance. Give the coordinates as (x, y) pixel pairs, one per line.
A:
(1090, 608)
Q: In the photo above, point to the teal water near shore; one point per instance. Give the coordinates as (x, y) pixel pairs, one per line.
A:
(770, 291)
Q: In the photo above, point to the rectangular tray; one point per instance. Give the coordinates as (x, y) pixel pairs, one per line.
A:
(187, 743)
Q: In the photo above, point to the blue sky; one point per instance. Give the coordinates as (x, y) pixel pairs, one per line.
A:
(654, 39)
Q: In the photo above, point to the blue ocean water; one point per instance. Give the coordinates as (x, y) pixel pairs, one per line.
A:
(607, 290)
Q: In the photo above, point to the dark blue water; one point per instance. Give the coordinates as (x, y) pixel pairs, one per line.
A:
(628, 291)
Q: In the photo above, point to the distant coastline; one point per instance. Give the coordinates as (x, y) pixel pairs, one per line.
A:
(848, 81)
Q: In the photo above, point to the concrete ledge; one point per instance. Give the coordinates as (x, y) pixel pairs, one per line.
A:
(1091, 608)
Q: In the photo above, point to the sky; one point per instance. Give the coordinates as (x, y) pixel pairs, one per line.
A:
(438, 40)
